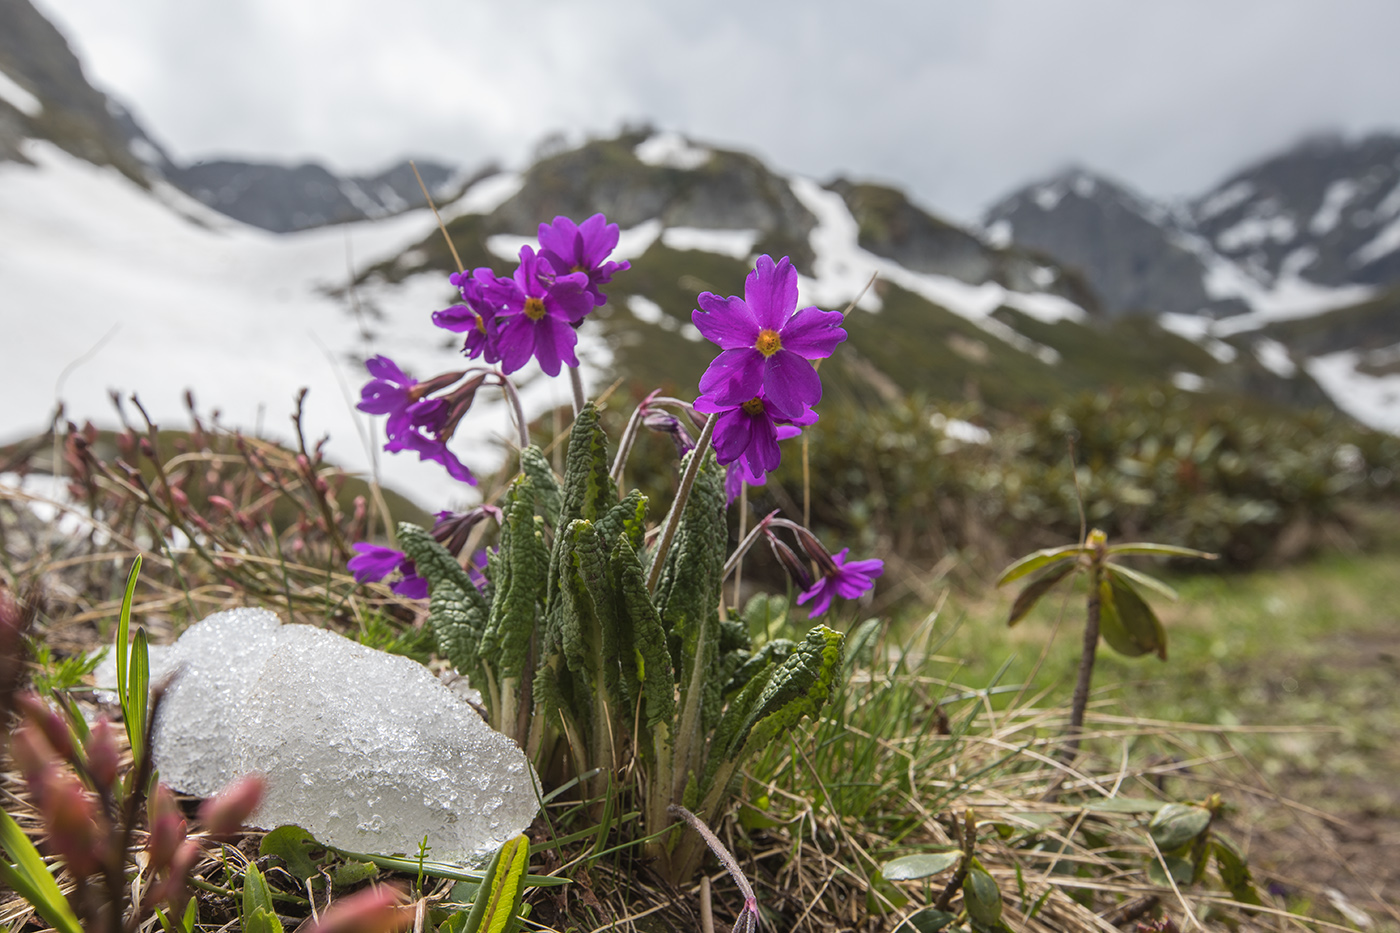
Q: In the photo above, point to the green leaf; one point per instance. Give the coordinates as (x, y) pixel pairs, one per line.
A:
(1177, 824)
(352, 872)
(456, 610)
(1143, 579)
(29, 877)
(1037, 559)
(1121, 805)
(123, 649)
(139, 686)
(1111, 625)
(543, 483)
(1139, 621)
(1028, 597)
(294, 846)
(1234, 873)
(626, 519)
(1182, 870)
(497, 905)
(588, 488)
(765, 613)
(927, 920)
(775, 652)
(914, 867)
(982, 897)
(256, 894)
(1160, 550)
(261, 921)
(505, 643)
(641, 639)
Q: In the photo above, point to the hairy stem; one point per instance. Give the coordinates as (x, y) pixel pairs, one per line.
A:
(1086, 664)
(576, 383)
(521, 425)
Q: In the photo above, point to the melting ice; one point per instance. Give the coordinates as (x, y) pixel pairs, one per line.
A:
(366, 751)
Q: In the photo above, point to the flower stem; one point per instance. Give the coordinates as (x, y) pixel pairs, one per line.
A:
(576, 383)
(521, 425)
(743, 527)
(673, 520)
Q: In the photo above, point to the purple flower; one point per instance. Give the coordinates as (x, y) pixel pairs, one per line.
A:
(390, 392)
(765, 346)
(583, 248)
(749, 432)
(742, 471)
(477, 317)
(431, 415)
(847, 580)
(538, 313)
(374, 562)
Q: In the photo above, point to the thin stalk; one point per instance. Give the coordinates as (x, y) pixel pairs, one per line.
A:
(744, 545)
(673, 520)
(624, 448)
(743, 527)
(1086, 663)
(436, 216)
(576, 383)
(522, 426)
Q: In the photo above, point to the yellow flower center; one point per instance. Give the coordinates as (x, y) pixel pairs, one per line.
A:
(753, 406)
(534, 308)
(481, 324)
(769, 342)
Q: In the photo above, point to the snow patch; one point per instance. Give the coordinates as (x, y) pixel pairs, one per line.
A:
(1384, 243)
(1389, 206)
(486, 195)
(144, 150)
(18, 98)
(1275, 357)
(507, 246)
(1338, 195)
(998, 235)
(1048, 197)
(1196, 328)
(646, 310)
(1372, 400)
(1188, 382)
(671, 150)
(634, 242)
(1253, 231)
(737, 244)
(1225, 199)
(843, 270)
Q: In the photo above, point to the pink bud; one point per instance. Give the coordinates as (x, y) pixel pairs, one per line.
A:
(373, 910)
(35, 757)
(73, 824)
(49, 722)
(102, 754)
(167, 829)
(224, 814)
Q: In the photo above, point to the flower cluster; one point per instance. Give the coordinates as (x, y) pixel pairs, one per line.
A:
(535, 311)
(374, 562)
(762, 386)
(836, 576)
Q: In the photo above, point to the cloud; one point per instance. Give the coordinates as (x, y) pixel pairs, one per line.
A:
(956, 102)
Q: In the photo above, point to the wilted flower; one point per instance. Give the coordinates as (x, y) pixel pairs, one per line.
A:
(585, 247)
(765, 345)
(451, 529)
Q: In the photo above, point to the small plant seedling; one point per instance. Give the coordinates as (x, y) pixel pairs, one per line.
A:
(1114, 608)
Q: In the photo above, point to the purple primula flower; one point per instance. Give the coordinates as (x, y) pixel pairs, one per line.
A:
(477, 318)
(390, 392)
(765, 346)
(749, 432)
(434, 412)
(742, 471)
(374, 562)
(538, 315)
(570, 248)
(848, 581)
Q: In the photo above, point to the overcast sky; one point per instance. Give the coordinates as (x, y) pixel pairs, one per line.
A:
(958, 102)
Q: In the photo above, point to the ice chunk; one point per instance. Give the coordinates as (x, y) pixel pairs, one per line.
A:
(366, 751)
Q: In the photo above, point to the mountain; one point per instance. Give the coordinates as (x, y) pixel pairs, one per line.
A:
(1327, 210)
(283, 198)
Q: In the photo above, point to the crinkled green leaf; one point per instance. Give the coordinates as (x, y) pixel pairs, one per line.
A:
(456, 610)
(505, 642)
(1037, 559)
(775, 652)
(641, 639)
(588, 488)
(627, 518)
(543, 483)
(1028, 597)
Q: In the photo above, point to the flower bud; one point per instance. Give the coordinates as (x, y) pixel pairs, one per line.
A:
(48, 722)
(801, 577)
(373, 910)
(102, 754)
(224, 814)
(76, 831)
(167, 828)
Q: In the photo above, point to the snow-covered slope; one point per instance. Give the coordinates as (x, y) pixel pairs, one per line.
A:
(106, 286)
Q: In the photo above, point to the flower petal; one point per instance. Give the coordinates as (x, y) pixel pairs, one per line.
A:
(790, 384)
(813, 333)
(733, 432)
(725, 321)
(457, 318)
(771, 291)
(734, 377)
